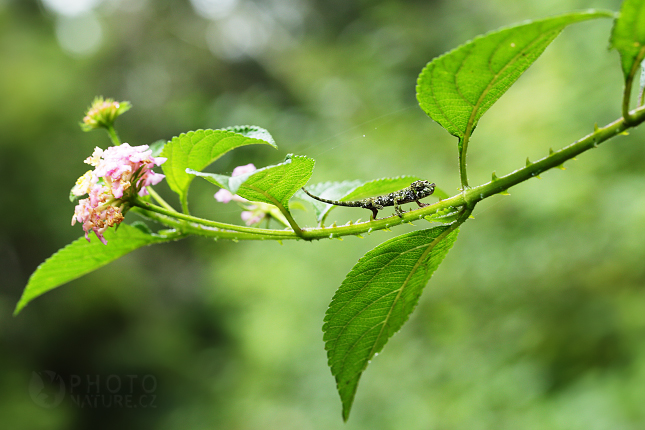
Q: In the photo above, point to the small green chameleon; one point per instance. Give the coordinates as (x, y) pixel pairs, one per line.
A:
(415, 192)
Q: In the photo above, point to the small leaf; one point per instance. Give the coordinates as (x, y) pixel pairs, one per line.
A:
(376, 298)
(73, 197)
(628, 36)
(457, 88)
(156, 147)
(254, 132)
(273, 184)
(196, 150)
(81, 257)
(446, 215)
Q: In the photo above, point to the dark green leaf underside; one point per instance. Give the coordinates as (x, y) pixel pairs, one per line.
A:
(457, 88)
(376, 298)
(81, 257)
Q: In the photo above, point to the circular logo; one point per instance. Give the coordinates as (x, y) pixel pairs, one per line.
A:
(46, 389)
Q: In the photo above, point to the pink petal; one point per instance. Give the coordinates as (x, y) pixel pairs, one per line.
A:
(240, 170)
(223, 196)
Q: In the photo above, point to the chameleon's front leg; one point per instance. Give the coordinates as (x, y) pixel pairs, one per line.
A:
(421, 204)
(374, 208)
(374, 213)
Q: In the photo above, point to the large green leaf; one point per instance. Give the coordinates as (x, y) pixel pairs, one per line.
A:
(198, 149)
(81, 257)
(375, 299)
(273, 184)
(457, 88)
(628, 36)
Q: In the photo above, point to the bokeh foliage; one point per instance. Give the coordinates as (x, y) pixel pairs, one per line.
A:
(534, 320)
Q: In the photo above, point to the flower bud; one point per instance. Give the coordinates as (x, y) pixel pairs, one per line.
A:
(102, 113)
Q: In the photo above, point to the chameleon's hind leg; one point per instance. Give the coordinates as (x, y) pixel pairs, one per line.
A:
(397, 208)
(421, 204)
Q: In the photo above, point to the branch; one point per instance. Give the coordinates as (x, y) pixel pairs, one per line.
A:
(468, 198)
(201, 223)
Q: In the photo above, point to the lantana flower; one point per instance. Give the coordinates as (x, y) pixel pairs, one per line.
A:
(120, 174)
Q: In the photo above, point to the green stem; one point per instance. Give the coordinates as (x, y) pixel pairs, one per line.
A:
(201, 230)
(113, 135)
(294, 225)
(205, 223)
(159, 199)
(556, 159)
(463, 148)
(626, 97)
(627, 93)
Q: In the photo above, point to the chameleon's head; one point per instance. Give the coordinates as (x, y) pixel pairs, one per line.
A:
(422, 188)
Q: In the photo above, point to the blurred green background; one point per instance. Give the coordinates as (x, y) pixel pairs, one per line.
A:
(535, 320)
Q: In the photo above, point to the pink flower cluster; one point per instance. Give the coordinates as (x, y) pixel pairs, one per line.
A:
(253, 214)
(118, 171)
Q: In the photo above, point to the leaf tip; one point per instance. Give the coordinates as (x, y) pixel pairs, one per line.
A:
(19, 307)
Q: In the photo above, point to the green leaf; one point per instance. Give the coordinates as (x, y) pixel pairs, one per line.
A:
(628, 36)
(329, 191)
(457, 88)
(376, 298)
(198, 149)
(254, 132)
(273, 184)
(81, 257)
(440, 193)
(156, 147)
(445, 216)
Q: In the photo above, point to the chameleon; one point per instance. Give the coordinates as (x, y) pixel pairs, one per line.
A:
(415, 192)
